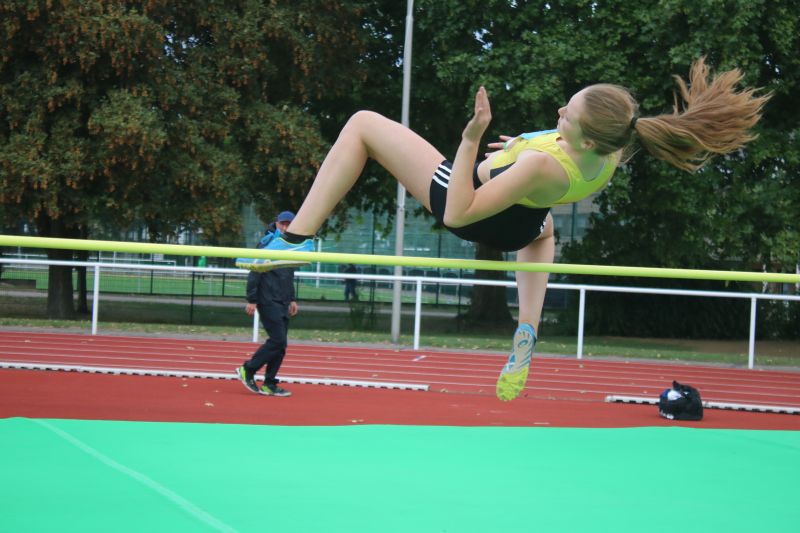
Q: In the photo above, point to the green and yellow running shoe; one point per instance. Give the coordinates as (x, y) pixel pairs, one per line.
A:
(274, 390)
(247, 378)
(277, 244)
(515, 372)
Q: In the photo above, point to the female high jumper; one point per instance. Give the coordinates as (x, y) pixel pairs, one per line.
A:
(504, 200)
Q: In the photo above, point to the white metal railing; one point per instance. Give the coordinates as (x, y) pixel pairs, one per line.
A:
(419, 281)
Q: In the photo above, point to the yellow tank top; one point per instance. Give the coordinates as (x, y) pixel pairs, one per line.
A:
(545, 141)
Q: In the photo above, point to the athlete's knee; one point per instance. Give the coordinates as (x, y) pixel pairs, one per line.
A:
(363, 119)
(357, 126)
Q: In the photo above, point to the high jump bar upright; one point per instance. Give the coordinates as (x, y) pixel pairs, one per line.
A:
(391, 260)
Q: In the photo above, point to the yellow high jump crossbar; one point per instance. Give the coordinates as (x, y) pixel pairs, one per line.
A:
(392, 260)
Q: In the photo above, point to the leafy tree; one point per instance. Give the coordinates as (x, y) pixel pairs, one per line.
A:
(738, 212)
(176, 112)
(168, 112)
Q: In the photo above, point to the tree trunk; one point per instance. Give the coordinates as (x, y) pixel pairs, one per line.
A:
(59, 284)
(489, 306)
(59, 287)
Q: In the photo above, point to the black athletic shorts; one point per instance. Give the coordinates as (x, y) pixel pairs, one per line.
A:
(509, 230)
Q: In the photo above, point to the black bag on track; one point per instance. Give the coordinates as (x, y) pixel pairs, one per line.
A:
(681, 402)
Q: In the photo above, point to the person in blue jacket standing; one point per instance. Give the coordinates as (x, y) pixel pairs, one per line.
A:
(272, 294)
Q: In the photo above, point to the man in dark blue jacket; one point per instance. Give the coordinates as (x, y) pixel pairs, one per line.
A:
(272, 293)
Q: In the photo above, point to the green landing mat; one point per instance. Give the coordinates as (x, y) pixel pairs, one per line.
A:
(76, 475)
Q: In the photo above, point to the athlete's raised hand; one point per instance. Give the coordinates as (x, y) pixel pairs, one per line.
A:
(480, 119)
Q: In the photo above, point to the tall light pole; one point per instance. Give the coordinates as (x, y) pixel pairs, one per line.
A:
(400, 218)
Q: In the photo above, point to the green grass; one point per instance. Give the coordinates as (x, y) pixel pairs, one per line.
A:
(226, 285)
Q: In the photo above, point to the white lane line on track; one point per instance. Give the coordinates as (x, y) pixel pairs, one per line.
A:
(340, 361)
(544, 367)
(476, 378)
(430, 385)
(114, 340)
(579, 385)
(201, 348)
(211, 375)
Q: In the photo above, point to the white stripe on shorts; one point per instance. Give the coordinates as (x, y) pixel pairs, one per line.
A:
(442, 176)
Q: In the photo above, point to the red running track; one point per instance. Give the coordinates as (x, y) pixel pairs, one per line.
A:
(560, 391)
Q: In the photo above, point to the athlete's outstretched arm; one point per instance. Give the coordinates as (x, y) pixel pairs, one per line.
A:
(461, 192)
(534, 174)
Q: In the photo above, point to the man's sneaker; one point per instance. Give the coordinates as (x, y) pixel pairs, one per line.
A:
(247, 379)
(515, 373)
(274, 390)
(278, 244)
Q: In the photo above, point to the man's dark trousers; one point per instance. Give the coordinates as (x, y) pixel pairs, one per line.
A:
(275, 319)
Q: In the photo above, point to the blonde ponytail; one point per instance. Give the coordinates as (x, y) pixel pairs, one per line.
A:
(711, 118)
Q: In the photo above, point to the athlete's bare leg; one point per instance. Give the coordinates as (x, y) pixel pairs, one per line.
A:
(531, 286)
(408, 157)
